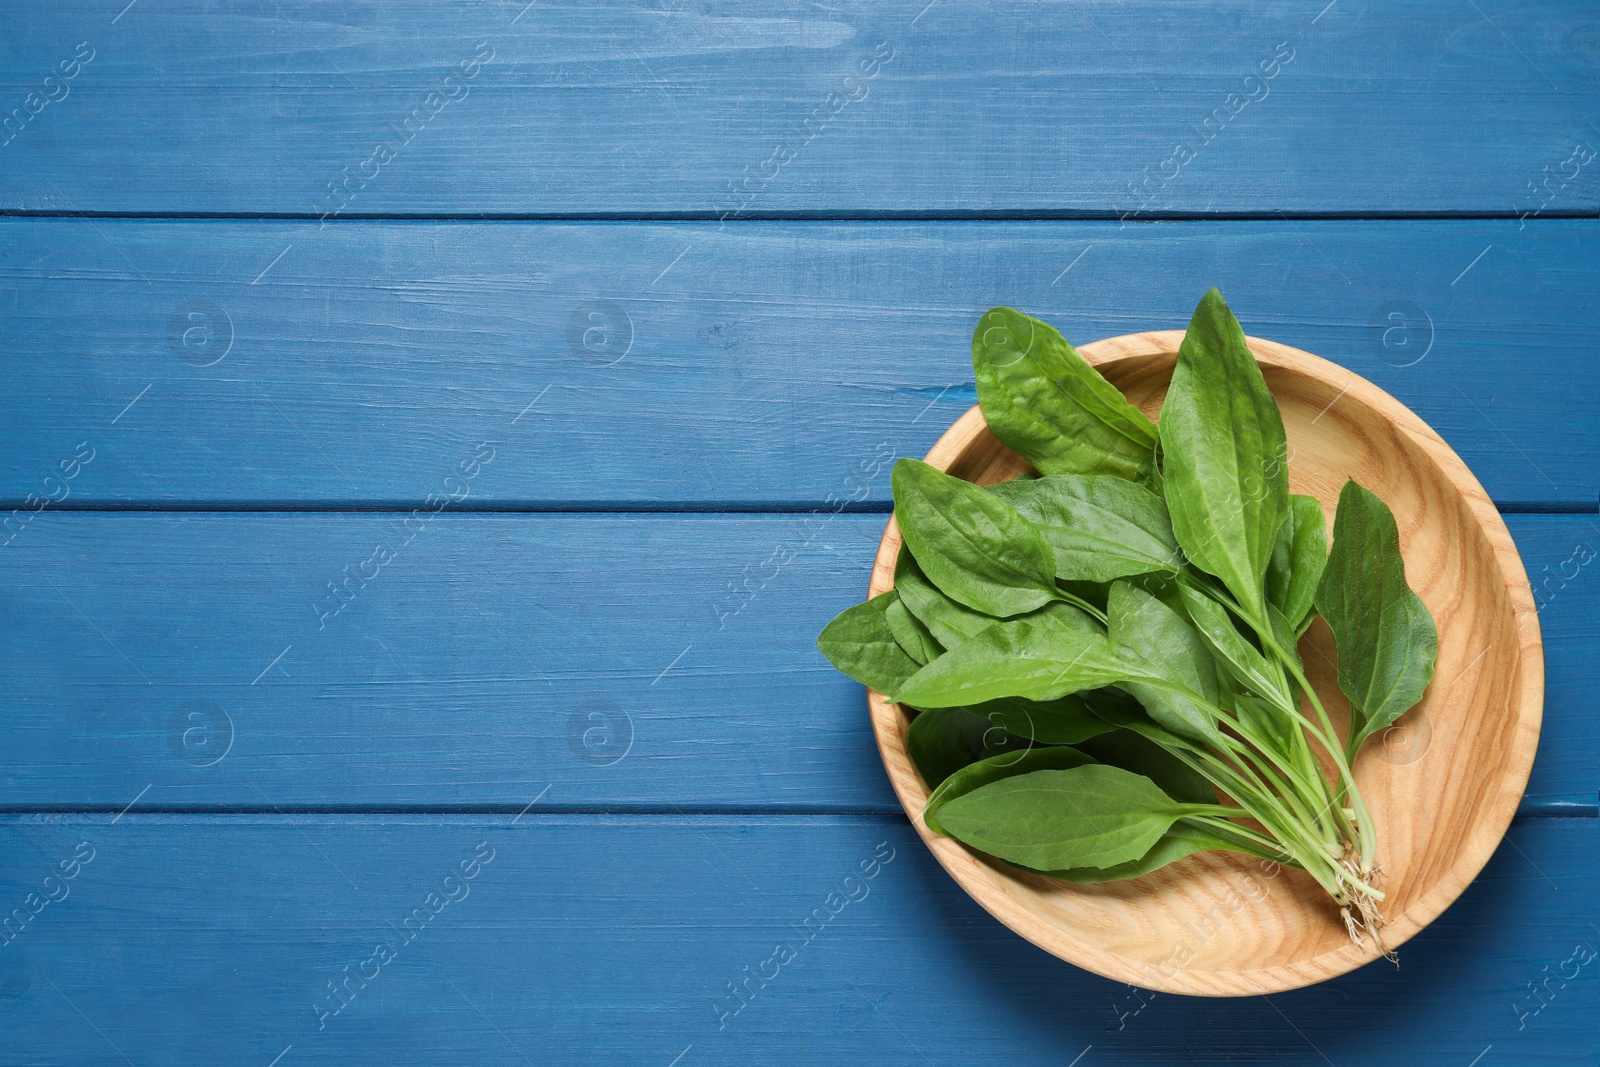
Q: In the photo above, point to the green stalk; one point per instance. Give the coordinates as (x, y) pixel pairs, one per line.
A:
(1299, 833)
(1365, 833)
(1078, 602)
(1303, 753)
(1292, 795)
(1368, 833)
(1293, 792)
(1313, 855)
(1258, 844)
(1278, 795)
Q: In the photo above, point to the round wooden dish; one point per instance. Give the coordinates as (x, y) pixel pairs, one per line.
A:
(1442, 783)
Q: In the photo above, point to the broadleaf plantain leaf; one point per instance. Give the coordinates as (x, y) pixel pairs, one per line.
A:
(859, 642)
(1100, 527)
(1298, 558)
(1242, 659)
(1047, 403)
(1184, 839)
(950, 622)
(1042, 656)
(1089, 816)
(993, 769)
(1063, 721)
(1170, 648)
(1224, 455)
(1384, 634)
(1133, 751)
(910, 634)
(971, 544)
(941, 741)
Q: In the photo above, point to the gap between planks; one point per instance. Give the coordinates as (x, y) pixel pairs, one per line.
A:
(1556, 810)
(980, 215)
(713, 507)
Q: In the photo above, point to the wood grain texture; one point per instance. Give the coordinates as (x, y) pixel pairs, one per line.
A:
(463, 674)
(251, 106)
(755, 365)
(1439, 816)
(611, 940)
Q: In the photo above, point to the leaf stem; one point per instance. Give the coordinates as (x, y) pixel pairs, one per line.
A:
(1365, 835)
(1267, 809)
(1259, 765)
(1267, 848)
(1078, 602)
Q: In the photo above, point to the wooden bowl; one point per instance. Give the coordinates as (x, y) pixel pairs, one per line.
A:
(1443, 783)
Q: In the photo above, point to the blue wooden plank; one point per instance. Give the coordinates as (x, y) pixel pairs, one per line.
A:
(778, 106)
(759, 364)
(614, 940)
(1562, 557)
(633, 662)
(607, 658)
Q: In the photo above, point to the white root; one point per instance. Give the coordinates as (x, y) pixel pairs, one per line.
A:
(1367, 917)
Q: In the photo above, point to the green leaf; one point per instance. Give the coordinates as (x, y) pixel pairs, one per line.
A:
(1171, 649)
(1089, 816)
(1184, 839)
(1041, 398)
(1268, 727)
(944, 740)
(1149, 472)
(1224, 455)
(987, 771)
(1063, 721)
(1298, 557)
(1146, 748)
(1243, 660)
(949, 622)
(971, 544)
(950, 738)
(1132, 751)
(1042, 656)
(910, 634)
(1385, 636)
(1284, 635)
(1100, 527)
(859, 642)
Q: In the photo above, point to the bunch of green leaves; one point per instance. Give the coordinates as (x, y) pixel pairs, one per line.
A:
(1103, 658)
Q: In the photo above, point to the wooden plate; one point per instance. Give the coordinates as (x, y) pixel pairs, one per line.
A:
(1442, 783)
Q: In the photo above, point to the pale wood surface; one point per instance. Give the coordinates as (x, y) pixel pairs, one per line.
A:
(1442, 788)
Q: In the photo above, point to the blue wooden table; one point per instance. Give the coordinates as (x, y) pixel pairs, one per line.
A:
(431, 439)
